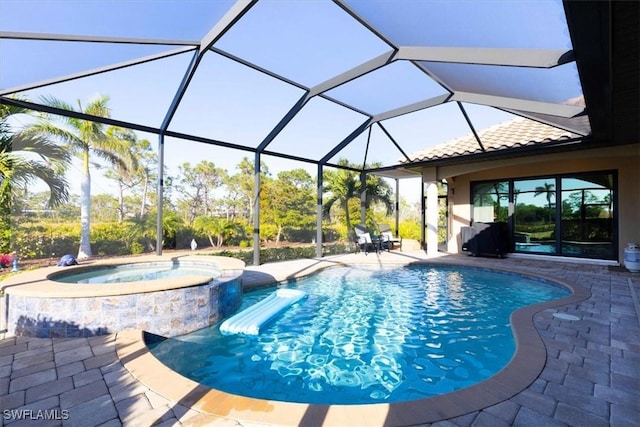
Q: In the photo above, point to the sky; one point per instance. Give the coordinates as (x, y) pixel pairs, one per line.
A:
(307, 42)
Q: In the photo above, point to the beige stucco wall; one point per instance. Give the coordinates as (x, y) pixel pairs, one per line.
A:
(623, 159)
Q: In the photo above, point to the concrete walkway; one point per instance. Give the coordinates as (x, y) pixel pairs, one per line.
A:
(591, 376)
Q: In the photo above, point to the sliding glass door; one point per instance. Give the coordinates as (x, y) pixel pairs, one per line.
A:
(567, 215)
(588, 216)
(534, 219)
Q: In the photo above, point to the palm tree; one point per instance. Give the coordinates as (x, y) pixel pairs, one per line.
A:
(549, 192)
(378, 191)
(343, 185)
(82, 138)
(25, 158)
(124, 175)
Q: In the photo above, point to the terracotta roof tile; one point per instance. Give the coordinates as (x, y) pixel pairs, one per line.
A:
(518, 132)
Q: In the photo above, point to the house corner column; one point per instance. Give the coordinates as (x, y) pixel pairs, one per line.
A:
(431, 217)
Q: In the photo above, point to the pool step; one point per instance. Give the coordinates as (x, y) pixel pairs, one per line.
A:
(250, 320)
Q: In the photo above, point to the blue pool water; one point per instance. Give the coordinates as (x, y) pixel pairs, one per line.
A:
(136, 273)
(367, 336)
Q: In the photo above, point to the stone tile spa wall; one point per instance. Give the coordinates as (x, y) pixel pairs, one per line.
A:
(44, 308)
(168, 313)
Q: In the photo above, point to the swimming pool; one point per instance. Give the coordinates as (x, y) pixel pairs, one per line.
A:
(136, 272)
(367, 335)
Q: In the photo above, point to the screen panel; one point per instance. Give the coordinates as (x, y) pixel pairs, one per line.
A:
(167, 19)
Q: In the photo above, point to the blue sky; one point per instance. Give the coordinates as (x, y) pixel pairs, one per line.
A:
(308, 41)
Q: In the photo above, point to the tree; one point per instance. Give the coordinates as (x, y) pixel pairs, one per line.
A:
(289, 201)
(104, 208)
(147, 167)
(84, 138)
(213, 227)
(344, 185)
(242, 184)
(125, 177)
(378, 191)
(25, 158)
(197, 186)
(549, 192)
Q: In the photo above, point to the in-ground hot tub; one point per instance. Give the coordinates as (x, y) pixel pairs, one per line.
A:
(164, 295)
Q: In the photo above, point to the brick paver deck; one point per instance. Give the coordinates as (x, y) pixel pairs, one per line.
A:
(591, 376)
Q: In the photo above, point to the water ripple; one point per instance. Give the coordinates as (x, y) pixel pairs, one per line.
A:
(367, 335)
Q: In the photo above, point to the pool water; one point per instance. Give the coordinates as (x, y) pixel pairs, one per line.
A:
(136, 273)
(367, 335)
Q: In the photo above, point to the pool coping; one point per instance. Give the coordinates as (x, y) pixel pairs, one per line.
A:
(38, 283)
(523, 369)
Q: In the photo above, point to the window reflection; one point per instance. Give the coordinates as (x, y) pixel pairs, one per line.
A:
(559, 215)
(491, 201)
(535, 215)
(587, 216)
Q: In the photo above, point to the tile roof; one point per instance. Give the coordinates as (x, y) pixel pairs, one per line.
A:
(518, 132)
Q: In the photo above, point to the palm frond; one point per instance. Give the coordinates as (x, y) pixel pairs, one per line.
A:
(48, 151)
(26, 171)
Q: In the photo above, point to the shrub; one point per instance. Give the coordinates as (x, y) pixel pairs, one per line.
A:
(137, 248)
(410, 230)
(298, 234)
(268, 232)
(284, 253)
(5, 260)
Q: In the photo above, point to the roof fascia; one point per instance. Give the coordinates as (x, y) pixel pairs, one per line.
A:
(589, 24)
(548, 147)
(506, 103)
(546, 122)
(536, 58)
(396, 171)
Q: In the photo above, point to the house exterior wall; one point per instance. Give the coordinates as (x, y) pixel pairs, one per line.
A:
(623, 159)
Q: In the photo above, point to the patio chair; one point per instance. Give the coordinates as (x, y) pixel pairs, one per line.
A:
(363, 240)
(388, 240)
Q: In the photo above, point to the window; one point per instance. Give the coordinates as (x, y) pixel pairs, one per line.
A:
(588, 216)
(535, 215)
(567, 215)
(490, 201)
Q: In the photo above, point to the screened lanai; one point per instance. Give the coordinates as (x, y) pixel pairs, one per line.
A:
(371, 81)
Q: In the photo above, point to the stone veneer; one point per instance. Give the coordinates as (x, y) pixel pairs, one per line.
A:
(167, 307)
